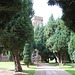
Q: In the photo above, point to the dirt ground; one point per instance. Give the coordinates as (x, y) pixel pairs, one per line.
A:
(11, 72)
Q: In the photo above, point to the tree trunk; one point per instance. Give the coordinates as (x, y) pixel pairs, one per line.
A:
(65, 57)
(28, 65)
(60, 64)
(57, 57)
(64, 60)
(18, 67)
(72, 61)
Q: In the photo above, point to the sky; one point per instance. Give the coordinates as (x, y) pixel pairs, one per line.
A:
(42, 9)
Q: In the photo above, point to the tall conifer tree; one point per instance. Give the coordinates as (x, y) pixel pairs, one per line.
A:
(18, 32)
(27, 54)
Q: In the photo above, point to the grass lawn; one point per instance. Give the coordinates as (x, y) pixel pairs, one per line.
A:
(10, 66)
(66, 67)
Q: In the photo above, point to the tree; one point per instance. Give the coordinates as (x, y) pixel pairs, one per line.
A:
(71, 47)
(43, 51)
(27, 54)
(40, 40)
(68, 7)
(36, 36)
(18, 32)
(49, 32)
(8, 8)
(57, 41)
(1, 48)
(61, 39)
(10, 56)
(50, 27)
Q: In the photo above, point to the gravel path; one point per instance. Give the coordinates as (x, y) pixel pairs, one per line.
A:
(46, 69)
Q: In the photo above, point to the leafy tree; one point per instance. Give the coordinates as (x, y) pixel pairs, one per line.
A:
(68, 7)
(71, 46)
(18, 32)
(27, 54)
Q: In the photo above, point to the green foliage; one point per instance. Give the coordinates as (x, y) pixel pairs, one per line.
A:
(61, 37)
(59, 40)
(71, 46)
(19, 30)
(36, 36)
(8, 8)
(27, 54)
(68, 7)
(49, 32)
(50, 27)
(10, 56)
(58, 36)
(1, 48)
(40, 40)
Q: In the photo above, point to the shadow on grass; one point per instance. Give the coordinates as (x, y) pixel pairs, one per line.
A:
(21, 73)
(29, 65)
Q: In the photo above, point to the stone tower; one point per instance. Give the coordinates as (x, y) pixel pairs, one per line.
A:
(37, 20)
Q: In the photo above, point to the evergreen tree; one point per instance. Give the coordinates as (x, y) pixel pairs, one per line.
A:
(27, 54)
(61, 39)
(50, 27)
(18, 32)
(36, 35)
(71, 46)
(68, 7)
(8, 8)
(49, 31)
(40, 40)
(58, 40)
(10, 56)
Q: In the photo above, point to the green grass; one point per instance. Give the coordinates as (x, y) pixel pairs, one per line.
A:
(66, 67)
(53, 63)
(29, 70)
(7, 65)
(10, 66)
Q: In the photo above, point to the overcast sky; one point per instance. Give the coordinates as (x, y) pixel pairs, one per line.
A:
(42, 9)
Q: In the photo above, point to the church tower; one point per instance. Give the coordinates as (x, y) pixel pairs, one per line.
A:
(37, 20)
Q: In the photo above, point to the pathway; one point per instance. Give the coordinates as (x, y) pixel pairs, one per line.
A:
(46, 69)
(10, 72)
